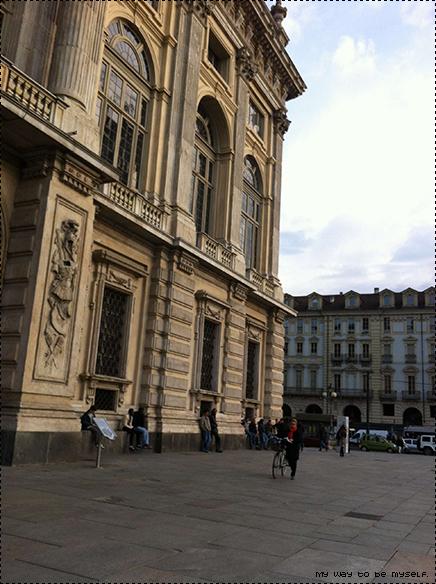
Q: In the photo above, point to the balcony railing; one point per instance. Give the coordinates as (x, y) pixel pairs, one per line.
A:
(411, 396)
(31, 95)
(263, 283)
(365, 359)
(136, 204)
(215, 250)
(410, 358)
(386, 358)
(351, 358)
(337, 359)
(356, 393)
(303, 391)
(388, 396)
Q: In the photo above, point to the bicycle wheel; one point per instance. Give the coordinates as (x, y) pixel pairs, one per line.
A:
(276, 465)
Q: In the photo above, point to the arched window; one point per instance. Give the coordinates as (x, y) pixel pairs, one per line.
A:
(122, 103)
(203, 174)
(251, 213)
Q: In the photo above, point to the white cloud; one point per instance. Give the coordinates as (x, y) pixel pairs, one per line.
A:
(358, 174)
(419, 13)
(354, 56)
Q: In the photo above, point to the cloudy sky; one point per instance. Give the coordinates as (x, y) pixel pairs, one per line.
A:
(358, 193)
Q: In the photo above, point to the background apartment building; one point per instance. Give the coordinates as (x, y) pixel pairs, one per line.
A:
(141, 183)
(369, 354)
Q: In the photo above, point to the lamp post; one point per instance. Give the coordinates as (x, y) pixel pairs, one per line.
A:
(329, 395)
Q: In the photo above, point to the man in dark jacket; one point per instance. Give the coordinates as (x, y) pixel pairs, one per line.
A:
(140, 428)
(88, 425)
(293, 446)
(214, 430)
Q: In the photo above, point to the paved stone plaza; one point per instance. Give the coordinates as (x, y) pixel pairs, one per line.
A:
(220, 518)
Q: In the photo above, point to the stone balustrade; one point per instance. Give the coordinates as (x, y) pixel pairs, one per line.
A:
(263, 283)
(31, 95)
(215, 250)
(136, 204)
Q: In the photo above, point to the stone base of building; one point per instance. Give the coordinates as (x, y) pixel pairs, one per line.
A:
(54, 447)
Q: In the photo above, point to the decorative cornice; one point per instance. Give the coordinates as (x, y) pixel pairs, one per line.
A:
(246, 64)
(281, 121)
(279, 315)
(78, 179)
(202, 8)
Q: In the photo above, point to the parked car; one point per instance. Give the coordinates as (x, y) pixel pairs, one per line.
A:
(358, 436)
(374, 442)
(427, 444)
(410, 445)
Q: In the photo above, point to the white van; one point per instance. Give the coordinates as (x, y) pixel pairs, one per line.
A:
(427, 444)
(357, 436)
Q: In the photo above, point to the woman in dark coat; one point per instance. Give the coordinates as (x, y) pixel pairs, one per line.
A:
(293, 446)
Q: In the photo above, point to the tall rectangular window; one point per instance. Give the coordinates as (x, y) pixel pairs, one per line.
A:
(387, 383)
(411, 384)
(365, 350)
(337, 381)
(313, 379)
(365, 380)
(365, 325)
(299, 326)
(410, 325)
(337, 325)
(351, 350)
(298, 378)
(337, 350)
(351, 325)
(252, 371)
(111, 341)
(314, 326)
(299, 347)
(208, 362)
(314, 348)
(387, 324)
(249, 228)
(255, 119)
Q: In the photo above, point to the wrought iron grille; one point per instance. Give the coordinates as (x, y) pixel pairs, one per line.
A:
(251, 373)
(106, 400)
(207, 364)
(112, 330)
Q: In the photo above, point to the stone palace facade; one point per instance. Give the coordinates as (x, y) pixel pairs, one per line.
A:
(141, 182)
(374, 352)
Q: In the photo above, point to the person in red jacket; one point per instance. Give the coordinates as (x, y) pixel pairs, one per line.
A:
(293, 446)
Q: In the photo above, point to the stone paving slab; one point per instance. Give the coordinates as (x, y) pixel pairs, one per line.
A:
(218, 519)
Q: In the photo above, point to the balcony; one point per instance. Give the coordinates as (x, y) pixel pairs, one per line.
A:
(365, 360)
(387, 359)
(262, 283)
(388, 396)
(410, 358)
(411, 396)
(351, 358)
(431, 396)
(336, 359)
(303, 392)
(215, 250)
(136, 204)
(355, 393)
(30, 95)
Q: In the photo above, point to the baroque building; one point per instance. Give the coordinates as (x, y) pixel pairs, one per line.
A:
(141, 180)
(366, 356)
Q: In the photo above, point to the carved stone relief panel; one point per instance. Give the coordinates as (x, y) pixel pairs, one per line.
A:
(63, 280)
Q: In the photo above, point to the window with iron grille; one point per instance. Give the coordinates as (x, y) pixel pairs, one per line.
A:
(105, 400)
(110, 352)
(251, 372)
(210, 338)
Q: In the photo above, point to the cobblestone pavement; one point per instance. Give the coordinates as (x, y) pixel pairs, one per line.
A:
(221, 518)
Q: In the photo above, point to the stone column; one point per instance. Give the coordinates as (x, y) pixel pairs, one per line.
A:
(281, 126)
(76, 50)
(273, 397)
(75, 66)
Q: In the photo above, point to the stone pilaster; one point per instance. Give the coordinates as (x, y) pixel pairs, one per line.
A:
(182, 122)
(273, 392)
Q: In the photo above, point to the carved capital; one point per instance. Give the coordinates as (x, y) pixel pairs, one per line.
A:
(79, 180)
(246, 64)
(186, 263)
(281, 121)
(239, 291)
(279, 316)
(202, 8)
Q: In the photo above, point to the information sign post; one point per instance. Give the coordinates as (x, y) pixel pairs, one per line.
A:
(104, 431)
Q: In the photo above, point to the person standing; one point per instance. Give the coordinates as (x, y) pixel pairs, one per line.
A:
(128, 427)
(205, 428)
(261, 432)
(341, 436)
(252, 433)
(293, 446)
(140, 428)
(214, 430)
(323, 439)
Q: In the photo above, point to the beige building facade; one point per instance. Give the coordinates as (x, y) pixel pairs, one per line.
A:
(366, 356)
(141, 181)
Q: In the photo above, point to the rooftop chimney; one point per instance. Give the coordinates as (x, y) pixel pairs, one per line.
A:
(376, 290)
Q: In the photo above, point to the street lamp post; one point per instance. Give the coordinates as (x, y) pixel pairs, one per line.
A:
(329, 395)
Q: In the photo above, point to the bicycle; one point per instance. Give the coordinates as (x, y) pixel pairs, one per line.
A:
(280, 463)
